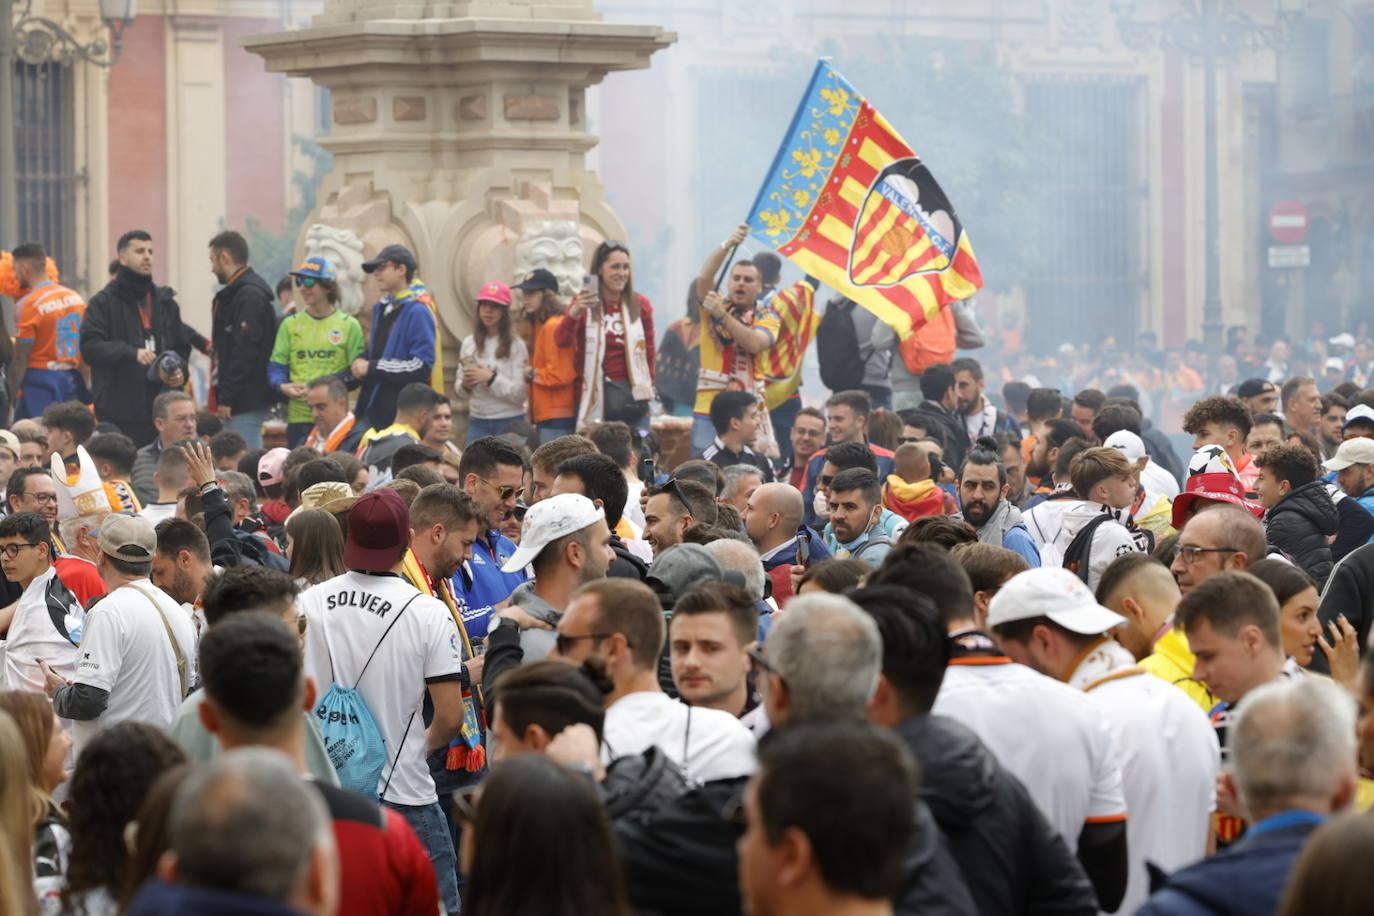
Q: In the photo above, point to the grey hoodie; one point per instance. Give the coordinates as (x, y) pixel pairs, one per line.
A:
(536, 644)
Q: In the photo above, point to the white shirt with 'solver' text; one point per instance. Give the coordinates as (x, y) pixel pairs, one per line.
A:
(347, 617)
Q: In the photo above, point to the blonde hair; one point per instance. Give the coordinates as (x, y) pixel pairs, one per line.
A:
(1094, 465)
(32, 713)
(16, 824)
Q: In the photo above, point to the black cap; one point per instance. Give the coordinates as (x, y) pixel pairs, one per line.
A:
(396, 254)
(1254, 387)
(537, 280)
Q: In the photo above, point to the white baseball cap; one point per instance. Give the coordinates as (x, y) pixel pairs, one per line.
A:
(1358, 412)
(1128, 443)
(1056, 593)
(1351, 451)
(547, 521)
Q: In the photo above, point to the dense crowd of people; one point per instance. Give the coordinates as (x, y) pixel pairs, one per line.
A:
(1069, 635)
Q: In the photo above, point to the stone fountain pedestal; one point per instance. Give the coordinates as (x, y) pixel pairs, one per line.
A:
(459, 130)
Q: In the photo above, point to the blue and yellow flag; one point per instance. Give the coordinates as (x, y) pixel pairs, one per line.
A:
(850, 203)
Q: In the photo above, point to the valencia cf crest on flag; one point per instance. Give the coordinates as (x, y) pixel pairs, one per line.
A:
(851, 203)
(906, 227)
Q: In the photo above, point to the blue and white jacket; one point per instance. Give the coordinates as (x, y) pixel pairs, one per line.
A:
(407, 357)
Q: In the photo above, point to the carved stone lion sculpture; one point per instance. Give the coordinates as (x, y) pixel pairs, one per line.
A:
(556, 246)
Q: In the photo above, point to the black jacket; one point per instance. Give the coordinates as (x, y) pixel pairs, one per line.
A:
(228, 545)
(948, 427)
(244, 331)
(625, 565)
(1299, 525)
(641, 783)
(680, 858)
(111, 336)
(1356, 527)
(1349, 591)
(1012, 859)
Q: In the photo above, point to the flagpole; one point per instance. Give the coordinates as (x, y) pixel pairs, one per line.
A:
(724, 268)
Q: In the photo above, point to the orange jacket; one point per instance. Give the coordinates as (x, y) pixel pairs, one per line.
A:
(551, 392)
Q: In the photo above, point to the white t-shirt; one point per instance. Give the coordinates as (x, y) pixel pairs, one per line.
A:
(35, 633)
(1169, 762)
(1051, 736)
(717, 746)
(348, 615)
(157, 512)
(125, 650)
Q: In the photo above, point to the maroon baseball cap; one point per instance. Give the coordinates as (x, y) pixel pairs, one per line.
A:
(378, 531)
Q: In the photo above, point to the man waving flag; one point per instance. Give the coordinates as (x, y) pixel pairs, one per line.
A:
(850, 203)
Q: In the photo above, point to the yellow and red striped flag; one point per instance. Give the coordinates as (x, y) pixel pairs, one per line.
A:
(795, 307)
(850, 203)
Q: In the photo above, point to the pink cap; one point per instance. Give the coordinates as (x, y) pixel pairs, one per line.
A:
(270, 467)
(494, 292)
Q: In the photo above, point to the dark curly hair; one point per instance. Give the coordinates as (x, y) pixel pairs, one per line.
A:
(113, 776)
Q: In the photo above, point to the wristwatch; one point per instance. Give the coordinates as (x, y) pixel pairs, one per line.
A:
(504, 623)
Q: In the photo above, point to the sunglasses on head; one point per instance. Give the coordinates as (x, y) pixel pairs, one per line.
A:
(305, 282)
(670, 486)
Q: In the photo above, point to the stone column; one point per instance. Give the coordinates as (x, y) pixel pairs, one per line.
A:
(459, 130)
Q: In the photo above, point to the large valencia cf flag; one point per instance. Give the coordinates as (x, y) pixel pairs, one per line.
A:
(849, 202)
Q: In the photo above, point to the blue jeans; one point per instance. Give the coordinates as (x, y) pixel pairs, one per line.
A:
(41, 387)
(249, 425)
(550, 430)
(429, 825)
(478, 427)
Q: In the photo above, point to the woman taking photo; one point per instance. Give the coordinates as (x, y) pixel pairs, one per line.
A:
(45, 745)
(492, 365)
(1299, 625)
(552, 373)
(611, 328)
(318, 341)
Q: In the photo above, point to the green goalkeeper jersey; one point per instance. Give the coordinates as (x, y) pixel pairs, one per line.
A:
(308, 347)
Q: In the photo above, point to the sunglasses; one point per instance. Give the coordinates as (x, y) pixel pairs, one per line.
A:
(825, 479)
(670, 486)
(608, 246)
(504, 493)
(305, 282)
(301, 621)
(903, 440)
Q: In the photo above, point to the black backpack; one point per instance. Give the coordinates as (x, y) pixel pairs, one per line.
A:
(837, 348)
(1078, 556)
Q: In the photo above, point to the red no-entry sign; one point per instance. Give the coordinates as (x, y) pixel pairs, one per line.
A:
(1288, 222)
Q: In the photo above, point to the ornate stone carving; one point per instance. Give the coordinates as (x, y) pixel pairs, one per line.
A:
(556, 246)
(345, 249)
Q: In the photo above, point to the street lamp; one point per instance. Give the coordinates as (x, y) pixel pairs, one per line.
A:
(1208, 29)
(34, 39)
